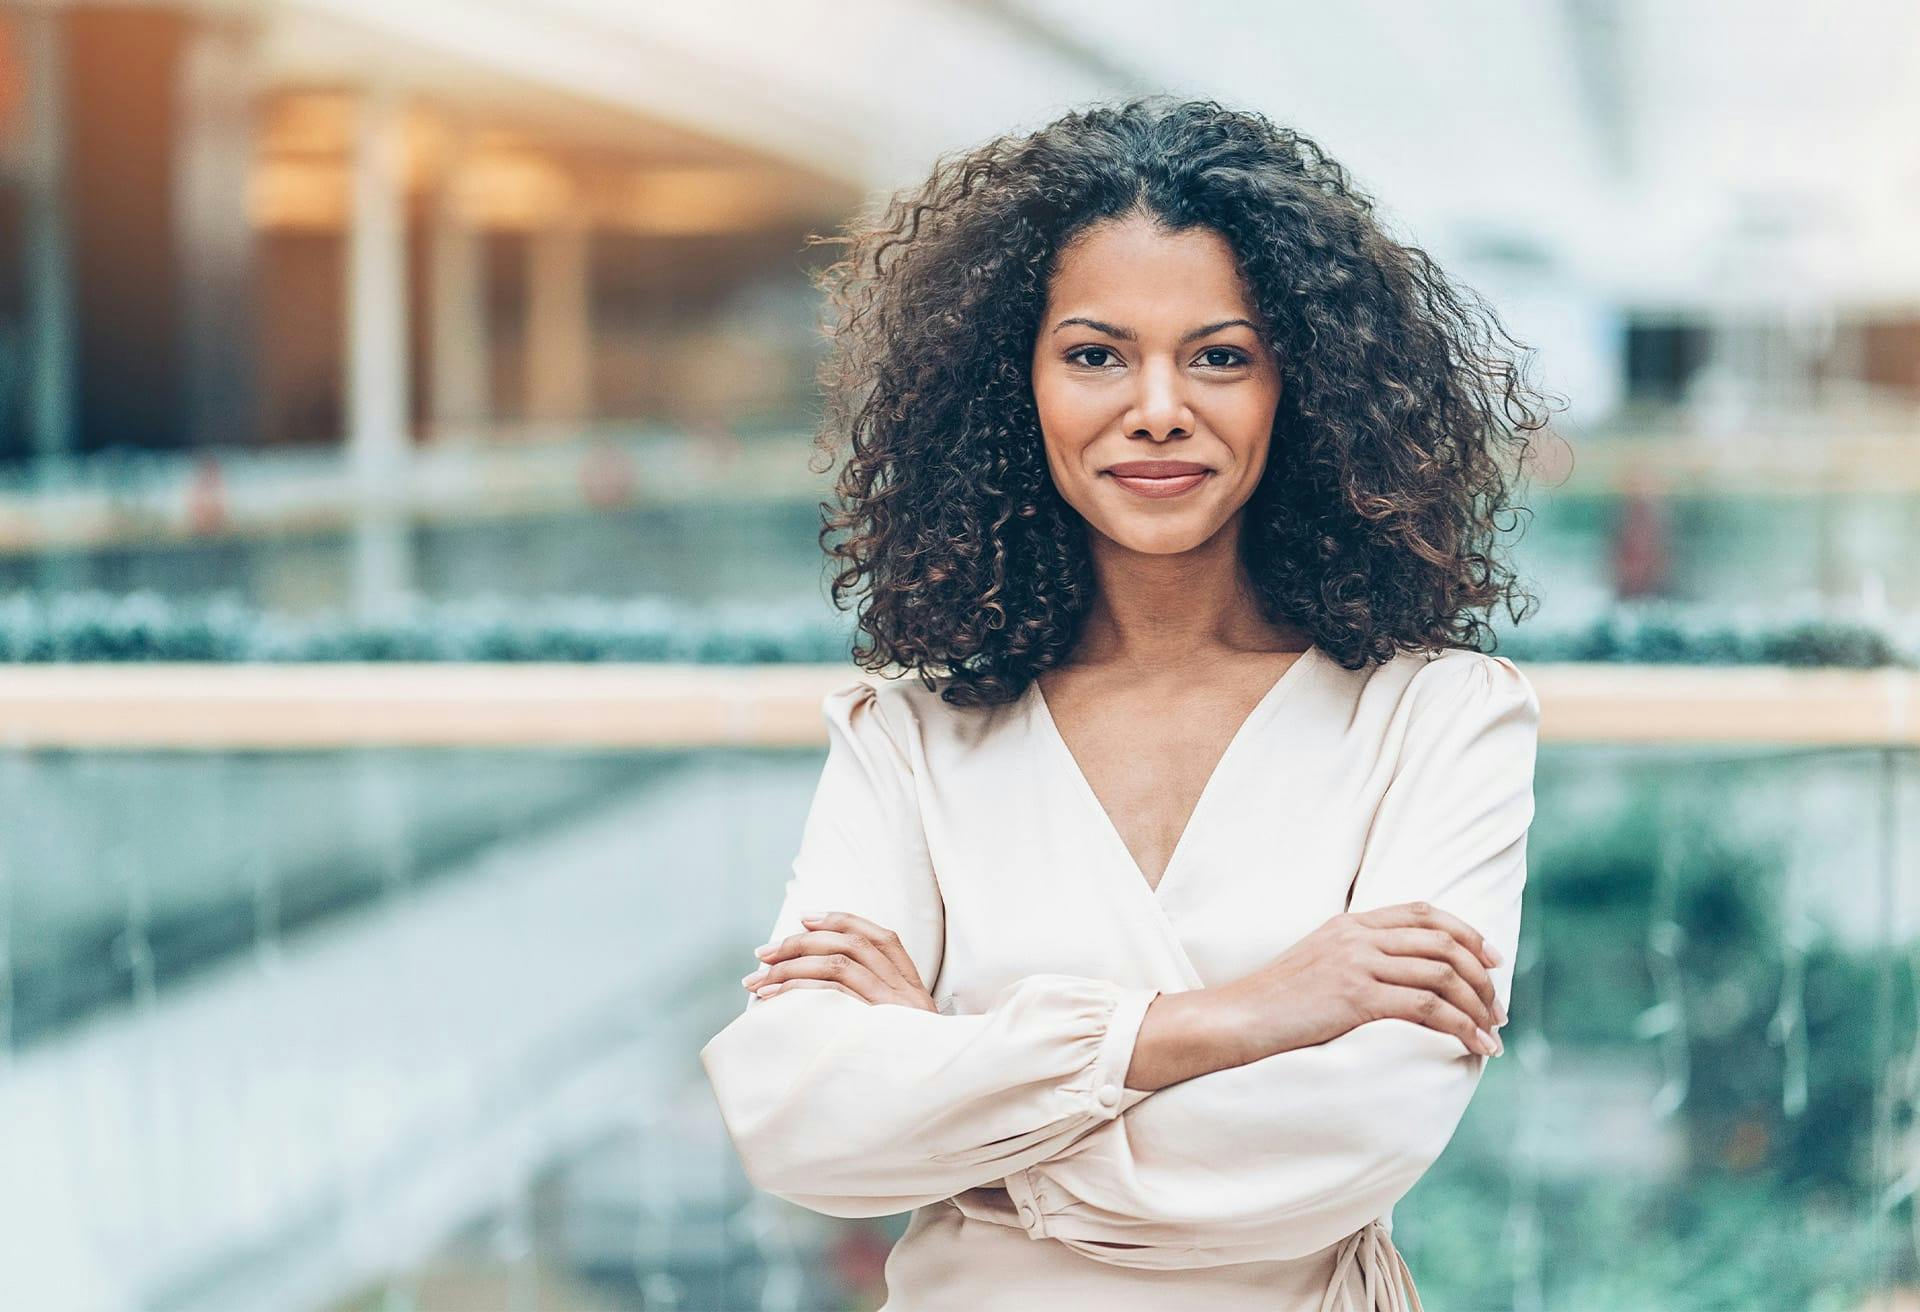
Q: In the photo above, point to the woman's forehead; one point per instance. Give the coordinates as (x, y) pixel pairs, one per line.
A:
(1123, 273)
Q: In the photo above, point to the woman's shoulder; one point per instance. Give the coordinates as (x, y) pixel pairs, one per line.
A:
(889, 694)
(1463, 682)
(1427, 683)
(910, 711)
(1461, 664)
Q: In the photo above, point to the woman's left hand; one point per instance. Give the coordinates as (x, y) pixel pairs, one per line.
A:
(846, 952)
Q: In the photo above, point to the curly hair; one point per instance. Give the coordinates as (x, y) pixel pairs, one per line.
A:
(1373, 527)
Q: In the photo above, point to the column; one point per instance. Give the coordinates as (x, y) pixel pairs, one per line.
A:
(559, 327)
(457, 326)
(377, 451)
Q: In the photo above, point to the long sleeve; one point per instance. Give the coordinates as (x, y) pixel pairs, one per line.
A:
(854, 1109)
(1281, 1157)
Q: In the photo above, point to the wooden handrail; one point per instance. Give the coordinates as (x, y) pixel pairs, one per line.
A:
(649, 706)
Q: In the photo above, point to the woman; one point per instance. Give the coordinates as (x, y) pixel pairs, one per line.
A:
(1150, 942)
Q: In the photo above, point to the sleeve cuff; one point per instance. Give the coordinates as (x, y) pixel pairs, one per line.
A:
(1107, 1085)
(1107, 1097)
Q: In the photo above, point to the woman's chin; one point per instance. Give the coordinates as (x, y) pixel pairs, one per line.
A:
(1162, 539)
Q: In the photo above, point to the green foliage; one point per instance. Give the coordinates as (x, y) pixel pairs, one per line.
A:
(1691, 633)
(1608, 1245)
(145, 626)
(1661, 949)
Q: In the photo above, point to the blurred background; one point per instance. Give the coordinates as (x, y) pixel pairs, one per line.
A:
(482, 333)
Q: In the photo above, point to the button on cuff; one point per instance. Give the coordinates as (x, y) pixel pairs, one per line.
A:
(1107, 1080)
(1026, 1204)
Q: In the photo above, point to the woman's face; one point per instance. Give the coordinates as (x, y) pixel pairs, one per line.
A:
(1148, 361)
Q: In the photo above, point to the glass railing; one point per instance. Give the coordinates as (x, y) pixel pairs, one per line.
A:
(417, 1027)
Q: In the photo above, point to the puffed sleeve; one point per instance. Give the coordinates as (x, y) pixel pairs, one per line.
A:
(1281, 1157)
(854, 1109)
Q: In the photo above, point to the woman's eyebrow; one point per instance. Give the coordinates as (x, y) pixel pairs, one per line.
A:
(1128, 335)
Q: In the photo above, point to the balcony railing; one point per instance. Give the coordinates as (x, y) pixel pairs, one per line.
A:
(320, 978)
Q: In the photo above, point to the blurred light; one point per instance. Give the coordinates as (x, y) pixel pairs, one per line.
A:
(504, 180)
(302, 180)
(694, 200)
(298, 195)
(308, 123)
(514, 188)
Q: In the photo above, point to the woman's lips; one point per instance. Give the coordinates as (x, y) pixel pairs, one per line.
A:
(1161, 487)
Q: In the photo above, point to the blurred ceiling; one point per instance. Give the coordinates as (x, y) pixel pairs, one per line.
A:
(1708, 153)
(1698, 152)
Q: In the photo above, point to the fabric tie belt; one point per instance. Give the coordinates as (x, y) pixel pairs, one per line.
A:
(1369, 1275)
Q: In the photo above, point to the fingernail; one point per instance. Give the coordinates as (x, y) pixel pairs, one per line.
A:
(766, 992)
(750, 978)
(763, 950)
(1485, 1040)
(1493, 954)
(812, 915)
(1499, 1014)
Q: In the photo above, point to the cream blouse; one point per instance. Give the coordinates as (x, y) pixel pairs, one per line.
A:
(1004, 1120)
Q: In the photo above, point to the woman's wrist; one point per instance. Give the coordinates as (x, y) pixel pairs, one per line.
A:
(1187, 1034)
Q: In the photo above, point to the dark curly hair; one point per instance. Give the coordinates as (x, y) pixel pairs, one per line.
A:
(1373, 527)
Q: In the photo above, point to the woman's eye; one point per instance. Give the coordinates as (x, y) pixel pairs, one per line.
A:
(1099, 357)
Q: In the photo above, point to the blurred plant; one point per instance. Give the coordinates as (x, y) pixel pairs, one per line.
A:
(144, 626)
(1775, 1194)
(1659, 631)
(147, 627)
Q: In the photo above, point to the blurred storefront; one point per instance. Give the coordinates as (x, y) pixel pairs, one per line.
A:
(249, 227)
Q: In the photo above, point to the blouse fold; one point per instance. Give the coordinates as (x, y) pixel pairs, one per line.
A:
(1408, 781)
(1284, 1156)
(859, 1110)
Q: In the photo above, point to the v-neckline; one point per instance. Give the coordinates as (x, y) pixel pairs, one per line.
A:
(1288, 678)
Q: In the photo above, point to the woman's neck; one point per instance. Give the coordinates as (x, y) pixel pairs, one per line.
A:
(1157, 613)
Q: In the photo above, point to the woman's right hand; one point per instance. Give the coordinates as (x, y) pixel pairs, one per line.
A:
(1411, 961)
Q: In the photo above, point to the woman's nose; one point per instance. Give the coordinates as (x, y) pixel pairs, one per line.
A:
(1160, 406)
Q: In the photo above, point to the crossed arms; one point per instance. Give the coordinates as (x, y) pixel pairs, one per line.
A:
(859, 1110)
